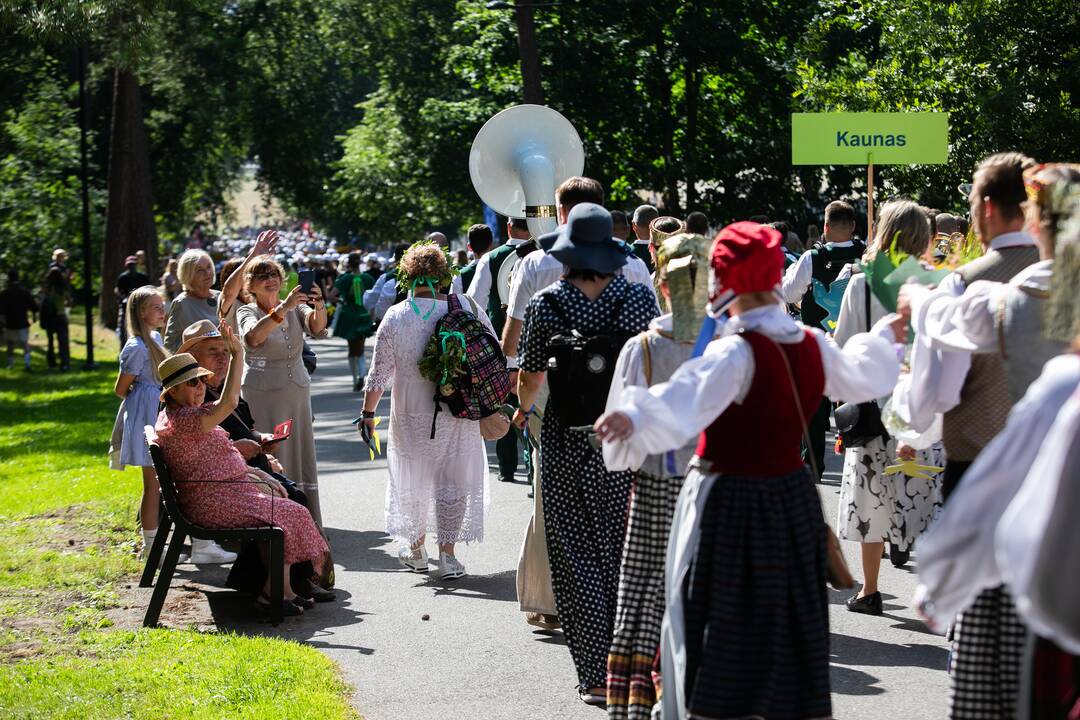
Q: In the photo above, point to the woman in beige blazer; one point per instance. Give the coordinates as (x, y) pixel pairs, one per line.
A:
(276, 384)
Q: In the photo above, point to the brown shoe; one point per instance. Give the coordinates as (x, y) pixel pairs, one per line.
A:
(545, 622)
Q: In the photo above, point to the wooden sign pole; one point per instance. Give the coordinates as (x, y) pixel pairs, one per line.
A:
(869, 198)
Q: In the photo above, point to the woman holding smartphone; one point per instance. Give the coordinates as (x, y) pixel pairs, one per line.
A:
(276, 383)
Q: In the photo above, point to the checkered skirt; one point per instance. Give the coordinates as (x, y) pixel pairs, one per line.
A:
(632, 683)
(988, 644)
(756, 611)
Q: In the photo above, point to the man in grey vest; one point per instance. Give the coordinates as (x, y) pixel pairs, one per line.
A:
(979, 346)
(971, 390)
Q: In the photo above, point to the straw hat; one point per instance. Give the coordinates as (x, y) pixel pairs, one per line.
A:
(177, 369)
(196, 332)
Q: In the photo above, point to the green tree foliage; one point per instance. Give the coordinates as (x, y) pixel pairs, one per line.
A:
(40, 200)
(998, 66)
(361, 113)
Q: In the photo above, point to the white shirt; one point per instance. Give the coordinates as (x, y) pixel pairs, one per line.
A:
(951, 323)
(537, 270)
(800, 273)
(480, 288)
(956, 554)
(667, 415)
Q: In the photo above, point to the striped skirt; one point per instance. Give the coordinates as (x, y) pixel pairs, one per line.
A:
(756, 610)
(632, 682)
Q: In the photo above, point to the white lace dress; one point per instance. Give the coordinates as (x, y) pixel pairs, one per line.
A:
(436, 485)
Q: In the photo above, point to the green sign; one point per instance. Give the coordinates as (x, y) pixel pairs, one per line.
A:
(920, 138)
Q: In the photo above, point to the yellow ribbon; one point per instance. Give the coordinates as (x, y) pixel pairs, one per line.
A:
(375, 439)
(913, 469)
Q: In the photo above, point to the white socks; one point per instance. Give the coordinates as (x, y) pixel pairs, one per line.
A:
(148, 540)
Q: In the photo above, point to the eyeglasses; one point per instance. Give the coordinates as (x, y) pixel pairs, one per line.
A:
(195, 381)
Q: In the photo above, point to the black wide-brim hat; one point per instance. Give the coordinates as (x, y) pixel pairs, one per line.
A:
(586, 241)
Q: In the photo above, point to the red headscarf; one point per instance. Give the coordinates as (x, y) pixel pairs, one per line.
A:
(746, 257)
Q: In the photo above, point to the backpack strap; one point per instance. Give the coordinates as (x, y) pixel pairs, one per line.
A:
(867, 302)
(646, 357)
(452, 303)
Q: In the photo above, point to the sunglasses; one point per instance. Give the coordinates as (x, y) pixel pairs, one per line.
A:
(259, 277)
(196, 381)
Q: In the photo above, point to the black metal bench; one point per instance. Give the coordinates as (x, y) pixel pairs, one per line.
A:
(183, 528)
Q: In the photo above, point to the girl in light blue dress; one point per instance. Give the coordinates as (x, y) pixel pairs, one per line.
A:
(139, 386)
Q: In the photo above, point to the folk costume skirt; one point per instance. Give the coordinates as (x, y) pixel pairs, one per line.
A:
(756, 610)
(633, 677)
(585, 520)
(988, 647)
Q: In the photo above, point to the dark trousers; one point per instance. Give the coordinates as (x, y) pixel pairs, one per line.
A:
(121, 322)
(816, 429)
(507, 448)
(59, 331)
(954, 472)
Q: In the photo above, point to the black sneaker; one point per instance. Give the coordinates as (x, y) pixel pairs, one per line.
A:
(869, 605)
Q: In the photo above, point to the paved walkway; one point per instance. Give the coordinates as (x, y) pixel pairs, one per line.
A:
(474, 656)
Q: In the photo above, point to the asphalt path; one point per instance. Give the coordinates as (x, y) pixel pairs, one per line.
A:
(474, 656)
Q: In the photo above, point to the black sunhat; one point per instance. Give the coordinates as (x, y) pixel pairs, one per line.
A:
(586, 241)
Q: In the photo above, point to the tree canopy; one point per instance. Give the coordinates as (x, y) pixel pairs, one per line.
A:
(360, 114)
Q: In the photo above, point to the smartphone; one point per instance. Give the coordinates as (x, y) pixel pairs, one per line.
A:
(306, 279)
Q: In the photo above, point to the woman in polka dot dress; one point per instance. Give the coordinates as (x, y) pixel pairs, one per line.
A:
(584, 505)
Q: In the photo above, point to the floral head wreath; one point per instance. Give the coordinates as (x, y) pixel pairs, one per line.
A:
(408, 284)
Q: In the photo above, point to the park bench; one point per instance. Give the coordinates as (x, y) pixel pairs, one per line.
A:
(182, 528)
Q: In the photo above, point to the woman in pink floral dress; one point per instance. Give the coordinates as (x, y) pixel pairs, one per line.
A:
(214, 484)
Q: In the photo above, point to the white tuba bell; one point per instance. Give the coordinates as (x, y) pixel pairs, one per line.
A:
(518, 159)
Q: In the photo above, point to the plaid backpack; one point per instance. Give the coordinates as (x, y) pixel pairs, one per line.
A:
(467, 365)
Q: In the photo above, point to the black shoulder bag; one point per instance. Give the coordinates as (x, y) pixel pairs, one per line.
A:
(859, 423)
(580, 367)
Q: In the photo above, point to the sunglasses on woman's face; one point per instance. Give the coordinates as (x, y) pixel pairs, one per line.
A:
(195, 382)
(259, 277)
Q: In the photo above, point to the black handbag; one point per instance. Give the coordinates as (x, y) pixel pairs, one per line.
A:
(860, 423)
(309, 358)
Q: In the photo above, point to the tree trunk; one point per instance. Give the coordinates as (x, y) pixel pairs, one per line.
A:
(129, 219)
(693, 87)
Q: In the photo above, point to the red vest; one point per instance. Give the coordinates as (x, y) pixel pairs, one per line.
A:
(762, 435)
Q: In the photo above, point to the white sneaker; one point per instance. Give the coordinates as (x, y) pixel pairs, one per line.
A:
(208, 552)
(450, 567)
(414, 560)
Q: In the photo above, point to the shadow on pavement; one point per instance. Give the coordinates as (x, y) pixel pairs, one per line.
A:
(847, 681)
(362, 550)
(499, 586)
(848, 650)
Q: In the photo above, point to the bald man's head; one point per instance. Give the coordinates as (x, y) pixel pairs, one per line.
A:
(439, 239)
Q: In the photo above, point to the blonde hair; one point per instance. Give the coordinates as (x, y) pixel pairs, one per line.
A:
(902, 222)
(135, 328)
(185, 267)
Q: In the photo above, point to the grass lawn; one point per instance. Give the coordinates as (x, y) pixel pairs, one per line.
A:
(68, 535)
